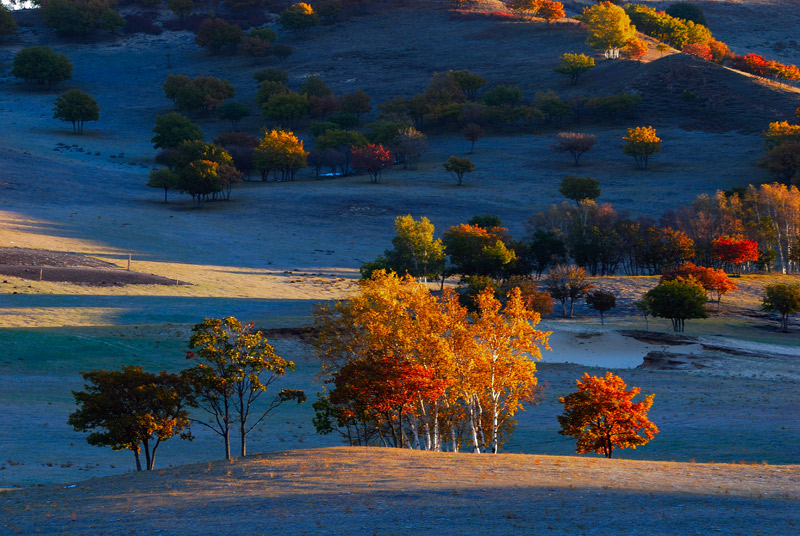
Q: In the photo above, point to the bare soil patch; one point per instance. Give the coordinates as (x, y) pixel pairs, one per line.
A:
(45, 265)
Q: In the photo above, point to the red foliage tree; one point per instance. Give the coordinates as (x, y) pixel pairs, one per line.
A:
(734, 251)
(372, 159)
(714, 280)
(698, 49)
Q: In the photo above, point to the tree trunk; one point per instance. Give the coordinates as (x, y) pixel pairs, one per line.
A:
(226, 436)
(138, 462)
(244, 437)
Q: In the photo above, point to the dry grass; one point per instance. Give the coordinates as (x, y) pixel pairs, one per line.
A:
(386, 491)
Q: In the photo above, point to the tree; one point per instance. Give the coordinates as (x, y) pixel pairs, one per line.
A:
(409, 146)
(343, 141)
(288, 107)
(163, 178)
(80, 17)
(551, 11)
(8, 26)
(357, 102)
(173, 128)
(201, 92)
(476, 250)
(132, 410)
(641, 143)
(567, 283)
(574, 143)
(41, 65)
(601, 415)
(233, 111)
(468, 82)
(372, 159)
(459, 167)
(216, 33)
(687, 11)
(181, 8)
(234, 367)
(473, 132)
(280, 150)
(711, 279)
(77, 107)
(782, 299)
(609, 28)
(735, 251)
(579, 188)
(299, 18)
(601, 301)
(282, 51)
(574, 65)
(200, 178)
(679, 300)
(415, 251)
(635, 49)
(783, 161)
(271, 74)
(314, 86)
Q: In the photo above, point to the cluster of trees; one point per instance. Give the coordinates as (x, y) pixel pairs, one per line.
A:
(409, 369)
(200, 93)
(782, 151)
(41, 65)
(547, 9)
(81, 17)
(233, 368)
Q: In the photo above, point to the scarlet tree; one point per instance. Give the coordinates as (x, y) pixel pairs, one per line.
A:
(734, 251)
(711, 279)
(601, 415)
(372, 159)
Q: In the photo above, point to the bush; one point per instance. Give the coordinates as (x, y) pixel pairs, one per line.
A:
(41, 65)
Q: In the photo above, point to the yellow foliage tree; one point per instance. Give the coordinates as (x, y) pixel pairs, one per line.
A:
(279, 151)
(641, 143)
(609, 28)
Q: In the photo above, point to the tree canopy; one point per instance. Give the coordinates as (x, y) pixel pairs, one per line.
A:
(77, 107)
(173, 128)
(679, 300)
(609, 27)
(41, 65)
(641, 143)
(782, 299)
(574, 65)
(415, 252)
(131, 410)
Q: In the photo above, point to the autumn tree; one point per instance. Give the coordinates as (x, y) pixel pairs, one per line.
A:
(41, 65)
(77, 107)
(299, 18)
(574, 143)
(550, 10)
(234, 367)
(173, 128)
(601, 301)
(372, 159)
(476, 250)
(574, 65)
(641, 143)
(734, 251)
(602, 416)
(580, 188)
(132, 410)
(567, 283)
(459, 167)
(279, 151)
(609, 28)
(712, 280)
(415, 252)
(635, 49)
(343, 141)
(679, 300)
(782, 299)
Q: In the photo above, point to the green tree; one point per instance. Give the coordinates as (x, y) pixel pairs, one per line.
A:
(314, 86)
(80, 17)
(579, 188)
(282, 51)
(574, 65)
(200, 179)
(357, 102)
(475, 250)
(286, 108)
(469, 82)
(415, 251)
(271, 74)
(609, 28)
(641, 143)
(173, 128)
(163, 178)
(77, 107)
(679, 300)
(459, 167)
(343, 141)
(8, 26)
(41, 65)
(687, 11)
(299, 18)
(233, 111)
(215, 34)
(181, 8)
(601, 301)
(782, 299)
(132, 410)
(235, 366)
(601, 415)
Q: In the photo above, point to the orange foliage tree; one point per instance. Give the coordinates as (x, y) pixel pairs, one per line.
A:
(551, 11)
(735, 251)
(601, 415)
(448, 373)
(714, 280)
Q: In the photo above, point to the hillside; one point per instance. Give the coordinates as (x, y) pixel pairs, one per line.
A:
(356, 491)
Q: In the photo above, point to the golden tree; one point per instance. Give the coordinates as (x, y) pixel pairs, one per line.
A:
(602, 416)
(609, 28)
(641, 143)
